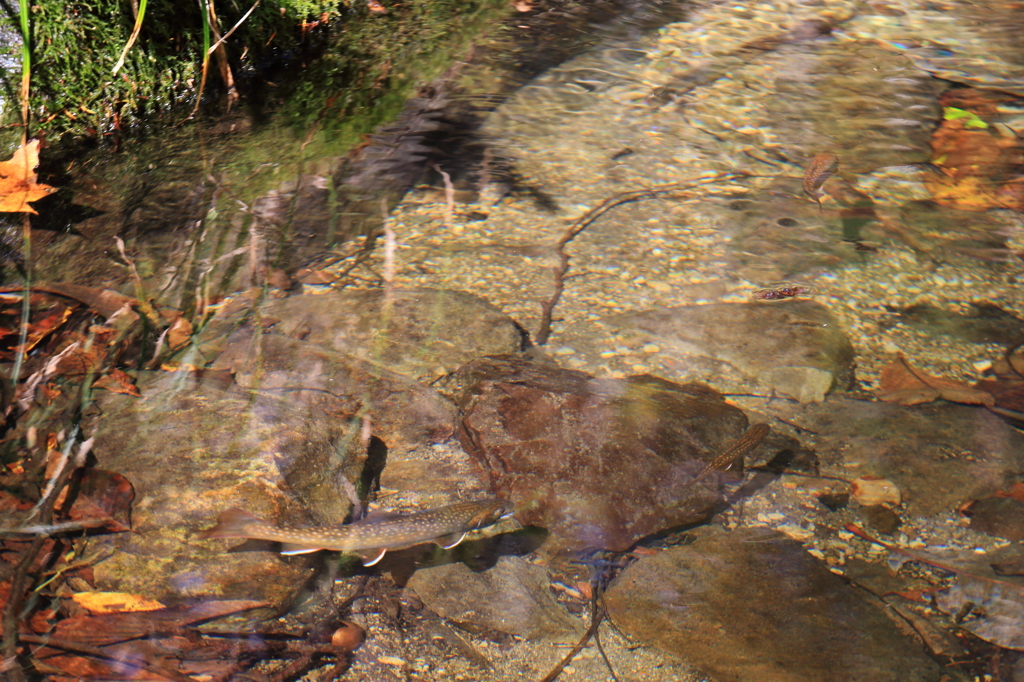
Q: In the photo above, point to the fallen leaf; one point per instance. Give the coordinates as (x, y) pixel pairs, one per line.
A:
(902, 384)
(976, 160)
(114, 602)
(179, 333)
(43, 323)
(104, 497)
(18, 186)
(109, 628)
(1014, 492)
(118, 382)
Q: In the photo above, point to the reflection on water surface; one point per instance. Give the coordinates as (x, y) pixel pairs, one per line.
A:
(724, 304)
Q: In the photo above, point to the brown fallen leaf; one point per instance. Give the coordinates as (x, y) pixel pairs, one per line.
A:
(104, 501)
(179, 333)
(18, 186)
(904, 385)
(974, 160)
(118, 382)
(110, 628)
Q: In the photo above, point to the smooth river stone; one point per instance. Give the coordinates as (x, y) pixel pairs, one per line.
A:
(512, 596)
(794, 347)
(599, 463)
(752, 604)
(870, 106)
(192, 449)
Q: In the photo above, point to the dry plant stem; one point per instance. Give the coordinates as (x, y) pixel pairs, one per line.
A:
(222, 58)
(449, 196)
(26, 71)
(20, 585)
(390, 246)
(77, 648)
(9, 665)
(548, 306)
(239, 23)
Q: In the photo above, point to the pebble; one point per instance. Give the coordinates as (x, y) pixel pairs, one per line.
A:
(651, 348)
(390, 660)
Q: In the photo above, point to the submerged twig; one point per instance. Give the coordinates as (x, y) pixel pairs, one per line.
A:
(604, 566)
(548, 306)
(596, 616)
(20, 582)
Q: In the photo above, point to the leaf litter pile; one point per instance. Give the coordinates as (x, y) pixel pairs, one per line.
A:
(59, 344)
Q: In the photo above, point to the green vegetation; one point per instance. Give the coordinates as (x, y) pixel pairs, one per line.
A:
(327, 60)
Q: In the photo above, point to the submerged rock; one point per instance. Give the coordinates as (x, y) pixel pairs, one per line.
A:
(421, 333)
(356, 354)
(794, 347)
(979, 45)
(335, 386)
(599, 463)
(513, 597)
(194, 448)
(940, 455)
(867, 104)
(751, 604)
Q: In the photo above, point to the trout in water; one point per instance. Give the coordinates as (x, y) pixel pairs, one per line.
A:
(372, 536)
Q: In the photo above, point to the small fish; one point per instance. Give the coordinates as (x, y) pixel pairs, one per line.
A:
(370, 537)
(739, 447)
(823, 166)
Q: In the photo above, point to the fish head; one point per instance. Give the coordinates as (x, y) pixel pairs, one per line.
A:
(491, 511)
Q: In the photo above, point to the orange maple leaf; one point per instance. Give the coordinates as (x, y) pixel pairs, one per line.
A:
(18, 184)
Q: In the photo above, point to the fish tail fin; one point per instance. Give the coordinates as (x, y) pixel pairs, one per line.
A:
(233, 523)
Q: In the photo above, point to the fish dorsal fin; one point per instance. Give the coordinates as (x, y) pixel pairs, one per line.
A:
(450, 540)
(372, 555)
(289, 549)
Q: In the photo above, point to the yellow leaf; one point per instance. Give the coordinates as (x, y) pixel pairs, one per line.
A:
(114, 602)
(18, 177)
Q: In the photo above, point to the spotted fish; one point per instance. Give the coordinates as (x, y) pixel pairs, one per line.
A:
(739, 447)
(823, 166)
(371, 537)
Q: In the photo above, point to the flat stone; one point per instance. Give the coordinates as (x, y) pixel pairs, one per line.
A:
(327, 384)
(192, 449)
(513, 597)
(421, 333)
(751, 604)
(794, 347)
(599, 463)
(869, 105)
(940, 455)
